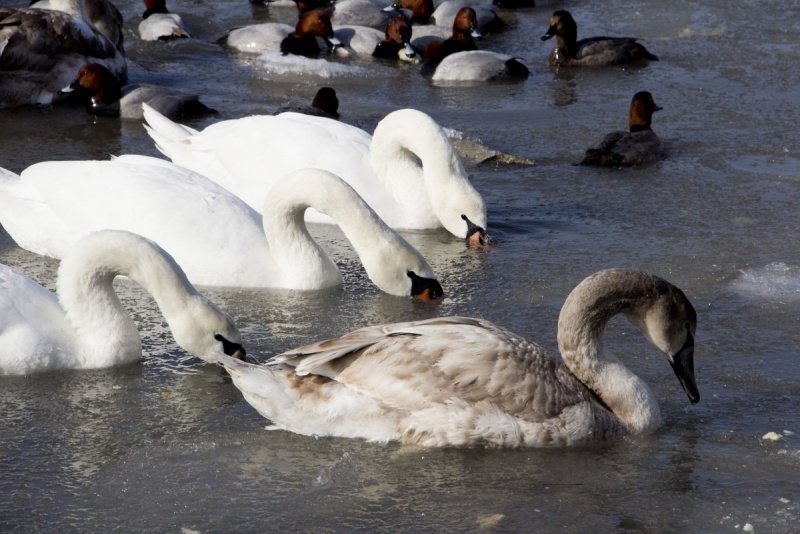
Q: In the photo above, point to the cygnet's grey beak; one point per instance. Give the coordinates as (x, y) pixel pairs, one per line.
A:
(683, 365)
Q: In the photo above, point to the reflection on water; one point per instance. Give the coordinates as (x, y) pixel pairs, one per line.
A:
(169, 444)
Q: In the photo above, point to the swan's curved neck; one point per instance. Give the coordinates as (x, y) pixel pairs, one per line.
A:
(417, 162)
(86, 293)
(583, 318)
(295, 251)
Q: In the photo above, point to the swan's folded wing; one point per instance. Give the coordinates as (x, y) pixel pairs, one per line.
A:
(412, 365)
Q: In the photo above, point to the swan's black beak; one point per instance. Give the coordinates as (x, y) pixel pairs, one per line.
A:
(683, 365)
(551, 31)
(234, 350)
(425, 289)
(476, 236)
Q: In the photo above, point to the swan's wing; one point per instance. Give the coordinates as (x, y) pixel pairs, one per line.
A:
(213, 235)
(28, 219)
(247, 155)
(33, 328)
(410, 365)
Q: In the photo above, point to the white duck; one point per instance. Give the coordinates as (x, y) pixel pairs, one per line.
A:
(41, 50)
(456, 381)
(408, 171)
(86, 326)
(213, 235)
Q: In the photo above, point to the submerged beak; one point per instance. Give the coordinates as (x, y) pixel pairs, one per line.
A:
(551, 31)
(683, 365)
(425, 289)
(476, 236)
(234, 350)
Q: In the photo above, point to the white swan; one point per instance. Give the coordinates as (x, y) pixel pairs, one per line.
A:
(86, 327)
(456, 381)
(41, 50)
(214, 236)
(408, 171)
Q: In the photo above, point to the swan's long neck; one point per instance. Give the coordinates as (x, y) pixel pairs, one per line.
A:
(85, 277)
(417, 162)
(298, 255)
(583, 318)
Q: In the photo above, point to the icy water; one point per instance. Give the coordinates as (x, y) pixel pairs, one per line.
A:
(169, 445)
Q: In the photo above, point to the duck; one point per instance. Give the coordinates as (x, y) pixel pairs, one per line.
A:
(100, 91)
(466, 382)
(407, 171)
(41, 51)
(396, 42)
(424, 12)
(85, 325)
(457, 58)
(465, 31)
(158, 24)
(312, 34)
(479, 66)
(102, 14)
(357, 13)
(593, 51)
(638, 146)
(214, 236)
(324, 104)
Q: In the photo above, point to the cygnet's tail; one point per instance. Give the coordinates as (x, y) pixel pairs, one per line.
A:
(263, 386)
(170, 137)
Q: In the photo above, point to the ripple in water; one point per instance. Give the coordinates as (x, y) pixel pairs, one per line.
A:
(774, 280)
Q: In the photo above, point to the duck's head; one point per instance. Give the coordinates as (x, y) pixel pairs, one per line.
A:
(317, 23)
(398, 31)
(640, 115)
(562, 25)
(327, 101)
(95, 84)
(465, 25)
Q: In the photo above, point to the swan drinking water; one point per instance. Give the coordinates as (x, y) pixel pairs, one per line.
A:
(216, 238)
(86, 327)
(456, 381)
(408, 171)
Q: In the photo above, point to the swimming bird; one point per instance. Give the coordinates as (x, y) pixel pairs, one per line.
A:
(216, 238)
(312, 34)
(408, 171)
(158, 24)
(41, 51)
(102, 95)
(324, 104)
(396, 43)
(86, 326)
(638, 146)
(593, 51)
(458, 381)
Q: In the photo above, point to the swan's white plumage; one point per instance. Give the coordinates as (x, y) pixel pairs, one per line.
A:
(217, 238)
(86, 327)
(383, 168)
(458, 381)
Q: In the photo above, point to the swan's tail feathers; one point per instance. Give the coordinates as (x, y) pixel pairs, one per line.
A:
(165, 132)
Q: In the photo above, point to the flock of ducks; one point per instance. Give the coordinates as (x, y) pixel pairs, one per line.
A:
(230, 208)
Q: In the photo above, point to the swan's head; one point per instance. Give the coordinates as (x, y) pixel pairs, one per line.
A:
(425, 289)
(670, 323)
(476, 235)
(206, 332)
